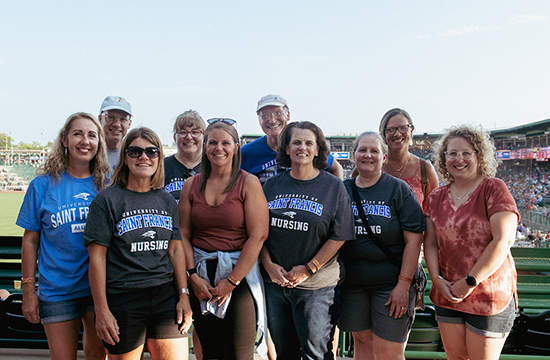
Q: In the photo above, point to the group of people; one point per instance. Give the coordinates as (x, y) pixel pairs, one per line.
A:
(264, 243)
(528, 189)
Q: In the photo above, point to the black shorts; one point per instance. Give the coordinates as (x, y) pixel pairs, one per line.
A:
(144, 314)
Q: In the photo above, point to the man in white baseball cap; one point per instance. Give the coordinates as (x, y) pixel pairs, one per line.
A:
(258, 157)
(115, 115)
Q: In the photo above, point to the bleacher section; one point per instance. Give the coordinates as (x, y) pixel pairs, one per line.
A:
(16, 177)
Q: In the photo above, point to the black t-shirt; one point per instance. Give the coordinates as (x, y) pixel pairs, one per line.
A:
(391, 208)
(175, 174)
(303, 215)
(136, 228)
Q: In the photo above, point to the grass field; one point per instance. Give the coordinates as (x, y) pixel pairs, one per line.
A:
(9, 208)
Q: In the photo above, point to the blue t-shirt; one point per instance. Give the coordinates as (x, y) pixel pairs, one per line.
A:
(58, 210)
(259, 159)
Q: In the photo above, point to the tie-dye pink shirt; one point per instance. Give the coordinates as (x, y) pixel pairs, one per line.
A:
(462, 235)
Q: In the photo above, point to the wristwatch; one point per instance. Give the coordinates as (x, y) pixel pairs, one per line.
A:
(184, 291)
(471, 281)
(191, 272)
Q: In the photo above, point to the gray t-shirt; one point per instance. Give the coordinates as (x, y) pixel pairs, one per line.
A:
(136, 228)
(304, 214)
(114, 157)
(391, 208)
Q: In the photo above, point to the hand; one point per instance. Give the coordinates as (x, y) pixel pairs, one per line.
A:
(297, 275)
(221, 291)
(461, 289)
(444, 288)
(277, 274)
(398, 300)
(201, 288)
(184, 313)
(106, 326)
(30, 307)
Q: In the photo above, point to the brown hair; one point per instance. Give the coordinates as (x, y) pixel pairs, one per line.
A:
(122, 171)
(320, 161)
(206, 166)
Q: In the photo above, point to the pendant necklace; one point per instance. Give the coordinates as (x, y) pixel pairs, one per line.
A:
(466, 193)
(401, 168)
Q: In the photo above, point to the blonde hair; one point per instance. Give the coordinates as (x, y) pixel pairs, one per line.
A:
(122, 171)
(189, 118)
(58, 160)
(480, 141)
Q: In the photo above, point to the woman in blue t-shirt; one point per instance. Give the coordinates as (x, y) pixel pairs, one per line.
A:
(53, 215)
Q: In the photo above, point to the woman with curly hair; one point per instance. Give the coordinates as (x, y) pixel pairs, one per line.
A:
(471, 225)
(53, 215)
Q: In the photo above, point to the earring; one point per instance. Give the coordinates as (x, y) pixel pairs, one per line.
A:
(66, 151)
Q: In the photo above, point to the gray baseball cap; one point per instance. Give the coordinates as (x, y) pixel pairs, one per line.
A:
(276, 100)
(115, 103)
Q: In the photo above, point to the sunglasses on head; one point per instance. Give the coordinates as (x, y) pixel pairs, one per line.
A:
(223, 120)
(152, 152)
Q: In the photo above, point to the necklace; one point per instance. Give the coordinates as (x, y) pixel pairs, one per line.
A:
(466, 193)
(402, 166)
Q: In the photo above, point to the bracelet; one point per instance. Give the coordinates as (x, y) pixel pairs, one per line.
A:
(316, 263)
(233, 281)
(309, 269)
(409, 280)
(434, 282)
(191, 272)
(27, 280)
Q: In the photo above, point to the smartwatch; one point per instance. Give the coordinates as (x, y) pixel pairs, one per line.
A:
(184, 291)
(191, 272)
(471, 281)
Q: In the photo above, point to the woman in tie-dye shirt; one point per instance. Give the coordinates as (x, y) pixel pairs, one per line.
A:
(471, 225)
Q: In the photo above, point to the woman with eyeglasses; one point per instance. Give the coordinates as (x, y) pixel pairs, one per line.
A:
(186, 162)
(224, 223)
(137, 265)
(310, 219)
(396, 129)
(53, 215)
(471, 224)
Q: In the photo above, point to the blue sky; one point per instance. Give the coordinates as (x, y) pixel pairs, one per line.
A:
(339, 64)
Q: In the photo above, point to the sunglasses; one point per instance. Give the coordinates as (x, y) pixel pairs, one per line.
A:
(223, 120)
(152, 152)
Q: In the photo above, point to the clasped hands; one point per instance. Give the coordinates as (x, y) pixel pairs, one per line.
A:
(204, 291)
(297, 275)
(454, 292)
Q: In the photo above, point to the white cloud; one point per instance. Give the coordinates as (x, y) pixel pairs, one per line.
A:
(530, 18)
(468, 29)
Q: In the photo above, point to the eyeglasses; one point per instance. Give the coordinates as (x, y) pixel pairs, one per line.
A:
(152, 152)
(402, 129)
(194, 133)
(267, 115)
(111, 119)
(453, 155)
(223, 120)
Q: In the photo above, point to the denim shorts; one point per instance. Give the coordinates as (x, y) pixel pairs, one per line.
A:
(58, 311)
(493, 326)
(366, 310)
(145, 313)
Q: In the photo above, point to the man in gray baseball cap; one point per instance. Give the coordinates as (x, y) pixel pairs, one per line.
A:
(115, 115)
(258, 157)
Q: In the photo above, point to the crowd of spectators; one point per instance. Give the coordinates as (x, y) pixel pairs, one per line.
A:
(528, 189)
(11, 182)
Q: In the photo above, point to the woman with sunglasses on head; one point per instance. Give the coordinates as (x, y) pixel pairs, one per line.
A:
(53, 215)
(186, 162)
(137, 266)
(310, 219)
(224, 223)
(396, 129)
(471, 225)
(378, 298)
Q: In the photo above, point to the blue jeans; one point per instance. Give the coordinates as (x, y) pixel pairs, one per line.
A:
(302, 322)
